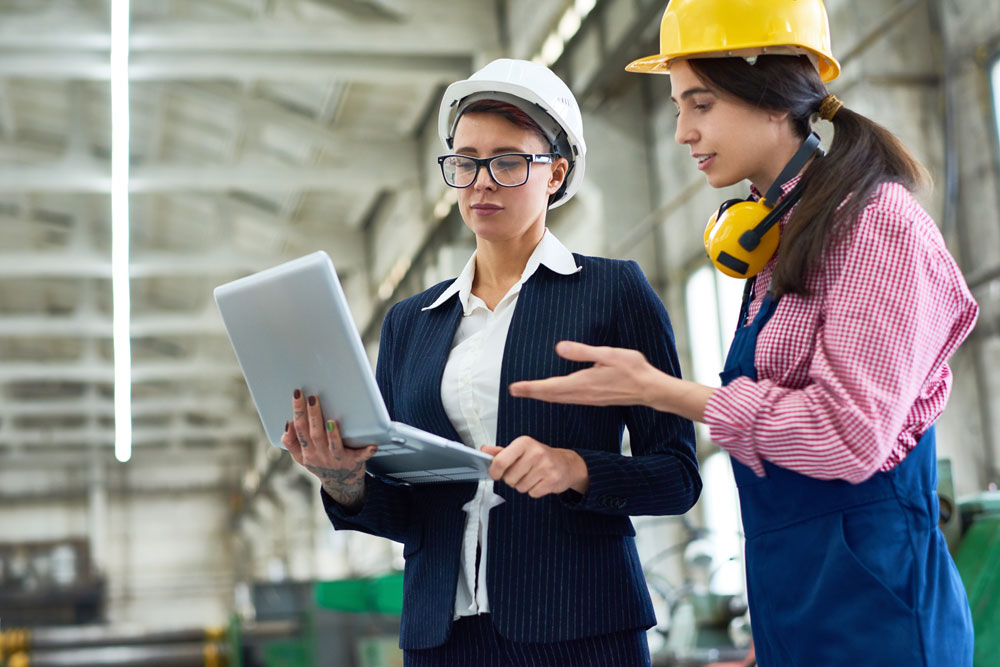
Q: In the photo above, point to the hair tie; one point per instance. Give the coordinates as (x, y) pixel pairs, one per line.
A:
(829, 107)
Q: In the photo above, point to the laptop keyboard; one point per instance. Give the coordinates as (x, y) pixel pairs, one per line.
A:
(438, 475)
(388, 450)
(452, 474)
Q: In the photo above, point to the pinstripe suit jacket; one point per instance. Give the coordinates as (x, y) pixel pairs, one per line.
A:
(563, 566)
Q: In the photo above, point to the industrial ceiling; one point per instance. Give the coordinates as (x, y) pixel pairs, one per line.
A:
(260, 130)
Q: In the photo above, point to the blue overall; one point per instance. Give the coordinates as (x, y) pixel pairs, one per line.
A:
(847, 574)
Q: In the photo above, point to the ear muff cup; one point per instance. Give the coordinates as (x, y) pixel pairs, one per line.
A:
(732, 242)
(742, 236)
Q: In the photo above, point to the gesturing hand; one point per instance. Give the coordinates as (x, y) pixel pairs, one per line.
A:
(316, 445)
(619, 376)
(537, 469)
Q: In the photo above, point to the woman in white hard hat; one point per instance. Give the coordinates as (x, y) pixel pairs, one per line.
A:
(539, 567)
(838, 371)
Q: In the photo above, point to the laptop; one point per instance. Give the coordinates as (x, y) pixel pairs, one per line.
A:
(291, 328)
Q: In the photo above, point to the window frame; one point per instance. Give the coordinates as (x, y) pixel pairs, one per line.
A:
(992, 70)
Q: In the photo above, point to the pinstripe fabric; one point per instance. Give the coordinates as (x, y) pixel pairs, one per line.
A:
(561, 567)
(475, 642)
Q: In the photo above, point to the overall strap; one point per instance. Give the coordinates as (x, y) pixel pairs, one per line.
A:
(745, 303)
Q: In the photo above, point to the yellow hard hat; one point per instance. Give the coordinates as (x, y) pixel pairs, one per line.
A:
(745, 29)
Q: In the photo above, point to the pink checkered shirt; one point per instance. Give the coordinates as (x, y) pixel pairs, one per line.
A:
(851, 377)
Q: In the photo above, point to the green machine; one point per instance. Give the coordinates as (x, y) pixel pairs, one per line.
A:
(971, 526)
(345, 622)
(978, 559)
(373, 608)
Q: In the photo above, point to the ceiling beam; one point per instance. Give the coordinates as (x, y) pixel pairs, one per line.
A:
(361, 169)
(99, 407)
(390, 9)
(425, 70)
(95, 326)
(419, 69)
(140, 435)
(229, 455)
(434, 43)
(92, 371)
(420, 38)
(261, 111)
(74, 264)
(431, 28)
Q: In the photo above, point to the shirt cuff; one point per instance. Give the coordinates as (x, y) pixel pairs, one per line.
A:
(730, 415)
(334, 508)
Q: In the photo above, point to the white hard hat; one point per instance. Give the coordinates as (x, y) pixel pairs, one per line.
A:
(538, 92)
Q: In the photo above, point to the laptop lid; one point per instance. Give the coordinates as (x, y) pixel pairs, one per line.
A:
(291, 328)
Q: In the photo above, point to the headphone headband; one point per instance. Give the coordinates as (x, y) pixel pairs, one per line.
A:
(741, 236)
(794, 166)
(750, 239)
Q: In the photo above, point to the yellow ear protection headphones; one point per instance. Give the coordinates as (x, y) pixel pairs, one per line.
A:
(741, 237)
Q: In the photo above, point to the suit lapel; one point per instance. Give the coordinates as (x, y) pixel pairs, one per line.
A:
(545, 314)
(519, 355)
(434, 334)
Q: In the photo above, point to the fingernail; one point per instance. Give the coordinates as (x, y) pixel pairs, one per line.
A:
(329, 426)
(286, 427)
(297, 394)
(312, 400)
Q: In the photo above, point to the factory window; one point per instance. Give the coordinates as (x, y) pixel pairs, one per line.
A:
(995, 86)
(712, 302)
(720, 512)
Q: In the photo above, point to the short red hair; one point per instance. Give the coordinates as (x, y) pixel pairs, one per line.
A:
(509, 112)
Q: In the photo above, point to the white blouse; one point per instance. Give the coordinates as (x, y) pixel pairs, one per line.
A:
(470, 391)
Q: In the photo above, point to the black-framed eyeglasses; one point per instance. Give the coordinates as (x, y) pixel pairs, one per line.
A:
(507, 169)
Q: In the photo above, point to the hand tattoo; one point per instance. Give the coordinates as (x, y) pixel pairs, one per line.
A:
(297, 415)
(345, 486)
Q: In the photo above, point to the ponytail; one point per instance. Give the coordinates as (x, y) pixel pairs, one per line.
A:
(837, 187)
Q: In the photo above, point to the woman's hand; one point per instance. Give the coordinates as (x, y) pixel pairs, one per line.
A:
(619, 376)
(315, 444)
(536, 469)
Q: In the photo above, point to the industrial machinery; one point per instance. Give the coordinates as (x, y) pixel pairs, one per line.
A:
(349, 623)
(978, 559)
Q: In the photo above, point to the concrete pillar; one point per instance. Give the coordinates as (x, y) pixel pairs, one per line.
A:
(97, 511)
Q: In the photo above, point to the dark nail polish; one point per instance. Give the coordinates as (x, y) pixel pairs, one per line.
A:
(286, 427)
(312, 400)
(297, 394)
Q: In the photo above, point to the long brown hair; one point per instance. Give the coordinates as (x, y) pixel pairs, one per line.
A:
(862, 155)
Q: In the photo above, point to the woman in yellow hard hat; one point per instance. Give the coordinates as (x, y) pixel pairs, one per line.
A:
(838, 370)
